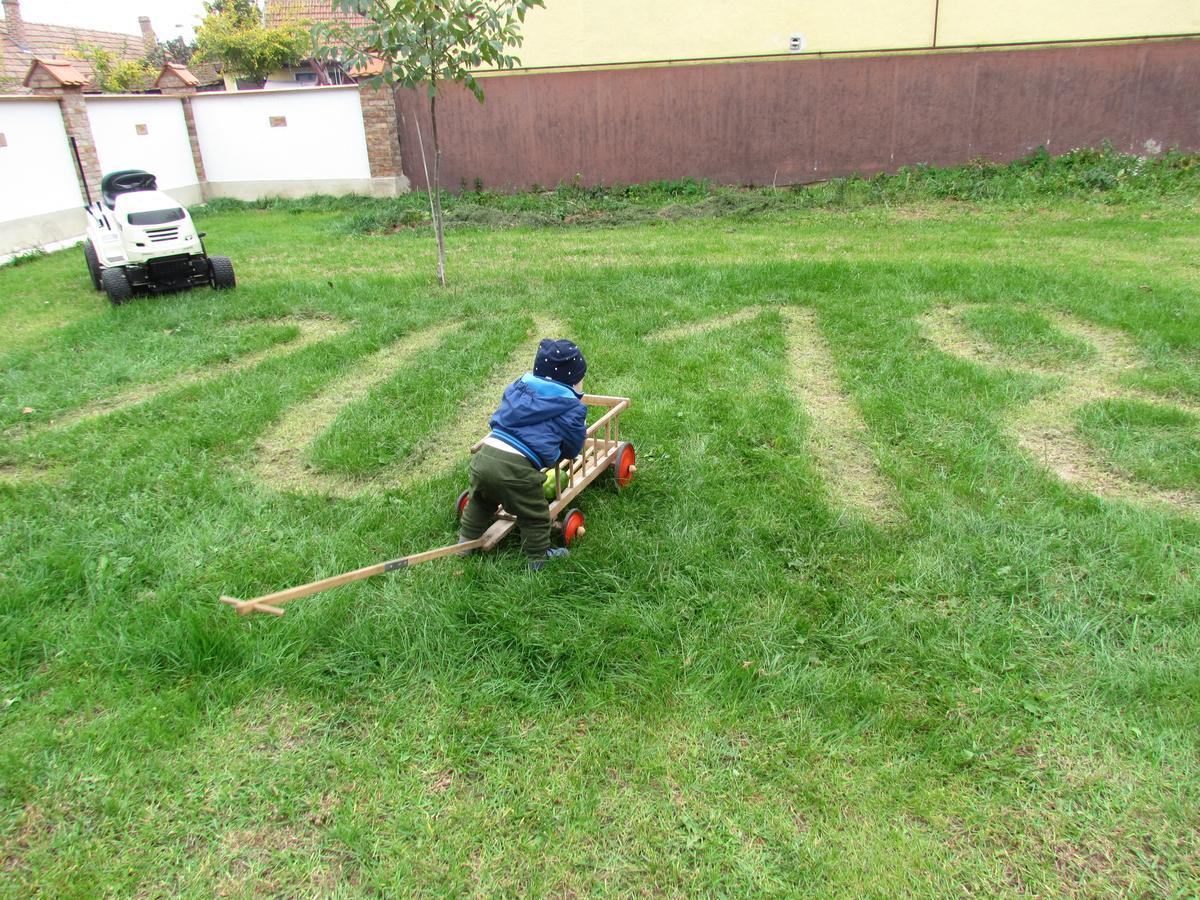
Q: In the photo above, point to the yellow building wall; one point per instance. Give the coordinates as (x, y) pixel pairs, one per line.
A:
(600, 32)
(1019, 21)
(595, 32)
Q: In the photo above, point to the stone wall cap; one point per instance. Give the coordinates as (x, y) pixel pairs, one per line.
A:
(175, 75)
(60, 70)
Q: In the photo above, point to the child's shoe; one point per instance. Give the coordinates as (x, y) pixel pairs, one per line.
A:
(468, 552)
(552, 553)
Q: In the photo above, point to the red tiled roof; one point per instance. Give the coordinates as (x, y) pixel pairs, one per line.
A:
(279, 11)
(53, 41)
(372, 68)
(61, 70)
(180, 73)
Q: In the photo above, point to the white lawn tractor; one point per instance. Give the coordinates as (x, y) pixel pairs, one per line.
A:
(140, 239)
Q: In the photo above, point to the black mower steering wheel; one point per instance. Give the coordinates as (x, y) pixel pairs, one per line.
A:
(133, 181)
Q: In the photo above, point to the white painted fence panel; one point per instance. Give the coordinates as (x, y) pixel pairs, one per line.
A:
(37, 171)
(145, 133)
(40, 200)
(263, 137)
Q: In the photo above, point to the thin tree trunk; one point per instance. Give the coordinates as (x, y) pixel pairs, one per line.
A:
(436, 188)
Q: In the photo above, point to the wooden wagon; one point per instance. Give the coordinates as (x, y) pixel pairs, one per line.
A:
(603, 451)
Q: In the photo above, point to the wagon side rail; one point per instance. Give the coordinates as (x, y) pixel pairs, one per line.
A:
(598, 453)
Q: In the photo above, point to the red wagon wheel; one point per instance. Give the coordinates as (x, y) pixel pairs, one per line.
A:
(625, 464)
(572, 528)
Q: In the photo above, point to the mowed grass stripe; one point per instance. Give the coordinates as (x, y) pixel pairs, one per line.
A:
(837, 436)
(1044, 427)
(308, 331)
(278, 459)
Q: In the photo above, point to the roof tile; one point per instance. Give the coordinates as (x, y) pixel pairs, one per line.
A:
(54, 41)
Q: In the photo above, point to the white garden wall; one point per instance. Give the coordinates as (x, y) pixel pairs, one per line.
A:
(147, 132)
(289, 143)
(283, 143)
(40, 200)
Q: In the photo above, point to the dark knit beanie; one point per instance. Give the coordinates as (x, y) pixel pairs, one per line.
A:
(559, 360)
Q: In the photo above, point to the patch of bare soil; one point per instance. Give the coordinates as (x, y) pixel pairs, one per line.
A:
(278, 458)
(1045, 428)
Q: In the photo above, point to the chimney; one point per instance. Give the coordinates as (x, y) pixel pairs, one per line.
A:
(149, 41)
(16, 25)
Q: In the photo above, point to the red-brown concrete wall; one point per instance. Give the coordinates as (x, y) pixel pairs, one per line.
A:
(792, 121)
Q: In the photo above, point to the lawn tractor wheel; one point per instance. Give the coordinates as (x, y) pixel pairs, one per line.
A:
(461, 503)
(221, 268)
(572, 527)
(116, 285)
(93, 263)
(625, 464)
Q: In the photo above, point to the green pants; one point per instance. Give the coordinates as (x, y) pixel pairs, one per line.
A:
(506, 479)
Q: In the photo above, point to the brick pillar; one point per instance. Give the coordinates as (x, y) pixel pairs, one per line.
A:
(189, 118)
(383, 140)
(176, 81)
(75, 117)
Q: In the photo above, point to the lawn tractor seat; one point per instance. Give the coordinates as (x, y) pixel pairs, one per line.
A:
(124, 181)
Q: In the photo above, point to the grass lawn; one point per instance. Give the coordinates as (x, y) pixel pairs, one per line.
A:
(903, 599)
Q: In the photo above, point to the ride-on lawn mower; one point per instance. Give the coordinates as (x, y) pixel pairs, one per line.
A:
(140, 239)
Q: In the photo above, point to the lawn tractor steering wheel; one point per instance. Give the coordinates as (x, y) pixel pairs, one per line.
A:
(123, 182)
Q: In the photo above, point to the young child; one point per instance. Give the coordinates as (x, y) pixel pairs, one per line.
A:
(541, 421)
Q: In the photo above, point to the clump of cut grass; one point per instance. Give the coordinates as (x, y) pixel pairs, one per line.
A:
(1096, 175)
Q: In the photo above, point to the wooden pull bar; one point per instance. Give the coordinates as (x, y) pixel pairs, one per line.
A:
(267, 602)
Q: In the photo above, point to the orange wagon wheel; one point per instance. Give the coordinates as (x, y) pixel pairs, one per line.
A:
(624, 464)
(572, 528)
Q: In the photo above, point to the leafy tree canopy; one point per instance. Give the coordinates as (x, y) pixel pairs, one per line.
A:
(422, 42)
(243, 46)
(113, 74)
(175, 50)
(243, 12)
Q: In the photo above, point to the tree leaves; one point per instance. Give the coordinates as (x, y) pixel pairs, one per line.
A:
(422, 42)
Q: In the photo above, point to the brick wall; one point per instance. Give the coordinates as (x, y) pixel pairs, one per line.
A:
(383, 136)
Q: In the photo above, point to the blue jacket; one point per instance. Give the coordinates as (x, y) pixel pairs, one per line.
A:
(542, 418)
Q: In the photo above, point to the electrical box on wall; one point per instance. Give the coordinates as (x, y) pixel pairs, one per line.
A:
(796, 43)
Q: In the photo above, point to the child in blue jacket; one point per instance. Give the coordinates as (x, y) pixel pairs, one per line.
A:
(541, 420)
